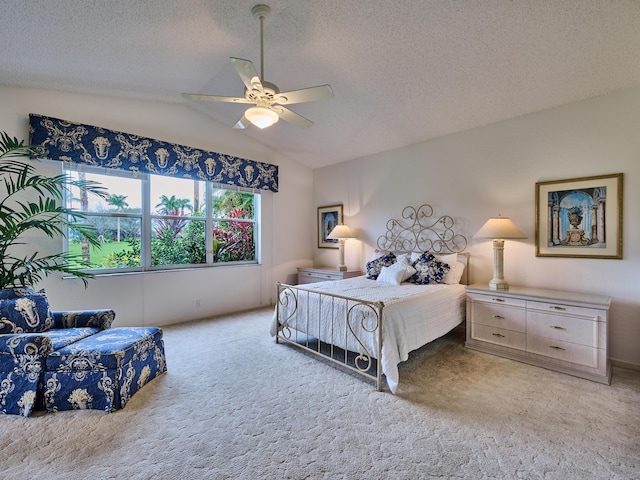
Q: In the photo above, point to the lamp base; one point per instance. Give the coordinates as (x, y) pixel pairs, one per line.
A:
(341, 268)
(498, 285)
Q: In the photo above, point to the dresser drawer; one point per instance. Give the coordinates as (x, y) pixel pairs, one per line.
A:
(306, 278)
(498, 336)
(497, 299)
(500, 316)
(562, 327)
(570, 352)
(591, 313)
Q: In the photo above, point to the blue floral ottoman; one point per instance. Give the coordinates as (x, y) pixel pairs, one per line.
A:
(103, 371)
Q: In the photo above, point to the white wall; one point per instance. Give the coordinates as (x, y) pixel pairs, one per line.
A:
(161, 298)
(477, 174)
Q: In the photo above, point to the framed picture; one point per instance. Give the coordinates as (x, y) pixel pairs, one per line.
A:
(580, 217)
(328, 217)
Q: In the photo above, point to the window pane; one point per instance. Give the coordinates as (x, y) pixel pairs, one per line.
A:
(176, 196)
(125, 194)
(228, 204)
(233, 241)
(177, 241)
(111, 254)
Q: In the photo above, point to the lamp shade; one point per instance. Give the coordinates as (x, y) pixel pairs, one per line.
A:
(340, 231)
(261, 117)
(499, 227)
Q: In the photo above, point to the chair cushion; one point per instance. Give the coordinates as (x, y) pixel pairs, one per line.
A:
(24, 311)
(106, 350)
(62, 337)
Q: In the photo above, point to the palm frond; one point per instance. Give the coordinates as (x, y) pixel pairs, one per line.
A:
(32, 202)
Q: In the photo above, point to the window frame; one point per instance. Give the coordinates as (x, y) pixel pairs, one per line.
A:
(147, 216)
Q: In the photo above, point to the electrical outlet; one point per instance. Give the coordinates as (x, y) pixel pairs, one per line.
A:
(198, 303)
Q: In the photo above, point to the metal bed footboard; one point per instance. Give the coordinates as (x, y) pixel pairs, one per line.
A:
(343, 330)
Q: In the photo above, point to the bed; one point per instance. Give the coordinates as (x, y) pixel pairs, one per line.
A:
(370, 324)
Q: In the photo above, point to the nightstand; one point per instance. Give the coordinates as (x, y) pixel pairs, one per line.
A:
(322, 274)
(562, 331)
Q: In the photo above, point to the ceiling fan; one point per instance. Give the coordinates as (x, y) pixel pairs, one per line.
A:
(267, 99)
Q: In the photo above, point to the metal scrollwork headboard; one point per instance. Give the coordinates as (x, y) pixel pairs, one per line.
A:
(420, 231)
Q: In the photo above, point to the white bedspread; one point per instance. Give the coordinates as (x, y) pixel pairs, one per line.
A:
(413, 316)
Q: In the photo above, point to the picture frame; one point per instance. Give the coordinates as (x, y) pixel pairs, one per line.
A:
(580, 217)
(328, 218)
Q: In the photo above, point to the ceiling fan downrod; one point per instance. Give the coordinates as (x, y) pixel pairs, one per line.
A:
(260, 12)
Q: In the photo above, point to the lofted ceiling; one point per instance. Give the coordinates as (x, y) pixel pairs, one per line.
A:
(402, 71)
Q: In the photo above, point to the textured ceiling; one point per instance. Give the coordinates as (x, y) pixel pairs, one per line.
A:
(402, 71)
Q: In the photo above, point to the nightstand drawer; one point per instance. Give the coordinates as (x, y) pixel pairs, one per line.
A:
(313, 275)
(499, 336)
(510, 318)
(559, 349)
(559, 327)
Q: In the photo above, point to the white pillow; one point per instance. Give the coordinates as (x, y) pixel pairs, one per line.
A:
(450, 259)
(454, 275)
(404, 257)
(396, 273)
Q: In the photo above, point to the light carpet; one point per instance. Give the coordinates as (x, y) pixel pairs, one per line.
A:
(235, 405)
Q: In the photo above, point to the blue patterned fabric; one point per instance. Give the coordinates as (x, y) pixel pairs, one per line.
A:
(104, 370)
(65, 336)
(21, 367)
(73, 142)
(375, 266)
(428, 270)
(24, 311)
(100, 319)
(80, 363)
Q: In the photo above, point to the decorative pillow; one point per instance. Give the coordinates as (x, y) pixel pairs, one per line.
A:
(25, 312)
(396, 273)
(374, 266)
(428, 270)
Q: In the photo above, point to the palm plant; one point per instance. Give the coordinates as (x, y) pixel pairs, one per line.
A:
(32, 202)
(120, 202)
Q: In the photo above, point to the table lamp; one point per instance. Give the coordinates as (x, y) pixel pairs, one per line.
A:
(340, 233)
(499, 228)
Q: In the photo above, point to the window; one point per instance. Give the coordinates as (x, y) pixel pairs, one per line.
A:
(150, 222)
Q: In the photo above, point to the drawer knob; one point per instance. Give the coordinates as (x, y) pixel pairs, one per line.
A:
(498, 316)
(498, 299)
(556, 348)
(558, 327)
(555, 307)
(497, 335)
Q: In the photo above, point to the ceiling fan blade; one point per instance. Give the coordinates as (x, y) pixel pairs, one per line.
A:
(214, 98)
(312, 94)
(247, 73)
(242, 123)
(292, 117)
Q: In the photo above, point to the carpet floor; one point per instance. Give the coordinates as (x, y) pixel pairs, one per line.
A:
(235, 405)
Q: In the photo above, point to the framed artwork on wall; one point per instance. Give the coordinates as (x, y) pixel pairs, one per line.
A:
(580, 217)
(328, 218)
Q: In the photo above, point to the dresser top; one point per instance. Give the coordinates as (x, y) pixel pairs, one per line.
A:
(539, 294)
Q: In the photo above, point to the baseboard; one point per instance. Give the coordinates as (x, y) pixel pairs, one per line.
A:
(623, 364)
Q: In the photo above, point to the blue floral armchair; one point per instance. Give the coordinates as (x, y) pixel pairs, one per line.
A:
(29, 333)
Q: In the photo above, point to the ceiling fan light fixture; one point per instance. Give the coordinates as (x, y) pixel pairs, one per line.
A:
(261, 117)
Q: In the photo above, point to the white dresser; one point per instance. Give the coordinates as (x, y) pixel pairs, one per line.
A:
(562, 331)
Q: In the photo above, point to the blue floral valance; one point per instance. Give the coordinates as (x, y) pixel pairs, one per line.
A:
(74, 142)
